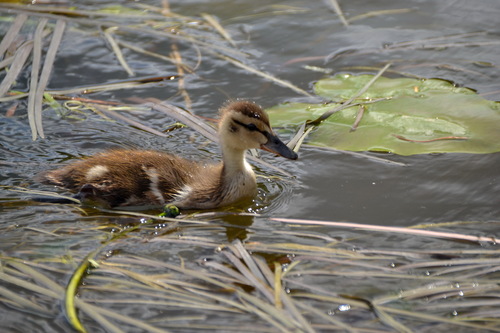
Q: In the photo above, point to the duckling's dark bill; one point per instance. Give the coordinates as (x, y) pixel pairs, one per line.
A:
(275, 145)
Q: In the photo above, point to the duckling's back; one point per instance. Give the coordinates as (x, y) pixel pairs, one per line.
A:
(126, 177)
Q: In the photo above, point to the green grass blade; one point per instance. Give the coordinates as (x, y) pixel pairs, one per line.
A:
(336, 7)
(390, 321)
(27, 285)
(116, 115)
(217, 26)
(96, 314)
(116, 49)
(409, 231)
(12, 33)
(70, 296)
(379, 13)
(92, 309)
(20, 58)
(46, 71)
(35, 69)
(20, 301)
(267, 76)
(37, 276)
(187, 118)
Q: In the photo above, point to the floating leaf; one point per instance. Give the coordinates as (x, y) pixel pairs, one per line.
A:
(417, 117)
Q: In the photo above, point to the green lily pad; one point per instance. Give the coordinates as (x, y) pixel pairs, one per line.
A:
(419, 116)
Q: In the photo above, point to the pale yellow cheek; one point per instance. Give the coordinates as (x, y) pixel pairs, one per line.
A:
(255, 140)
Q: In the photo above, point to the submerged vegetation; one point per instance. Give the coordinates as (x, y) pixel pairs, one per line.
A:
(120, 271)
(333, 283)
(50, 25)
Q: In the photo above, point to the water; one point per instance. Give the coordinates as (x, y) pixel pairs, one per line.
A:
(281, 37)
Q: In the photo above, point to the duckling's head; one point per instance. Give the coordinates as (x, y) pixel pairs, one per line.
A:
(244, 125)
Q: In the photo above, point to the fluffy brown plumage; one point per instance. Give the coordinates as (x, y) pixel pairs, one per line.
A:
(144, 178)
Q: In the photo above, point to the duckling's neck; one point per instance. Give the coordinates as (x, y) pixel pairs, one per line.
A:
(235, 164)
(238, 178)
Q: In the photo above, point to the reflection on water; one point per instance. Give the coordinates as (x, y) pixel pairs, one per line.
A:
(239, 231)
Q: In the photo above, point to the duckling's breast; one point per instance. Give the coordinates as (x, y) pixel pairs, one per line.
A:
(214, 187)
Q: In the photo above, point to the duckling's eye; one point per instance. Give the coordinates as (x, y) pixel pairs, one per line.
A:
(251, 127)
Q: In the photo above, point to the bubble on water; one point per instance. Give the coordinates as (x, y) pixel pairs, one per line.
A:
(344, 307)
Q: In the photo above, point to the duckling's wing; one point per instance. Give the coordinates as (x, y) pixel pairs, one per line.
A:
(124, 177)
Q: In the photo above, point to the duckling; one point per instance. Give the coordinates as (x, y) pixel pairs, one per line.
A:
(122, 177)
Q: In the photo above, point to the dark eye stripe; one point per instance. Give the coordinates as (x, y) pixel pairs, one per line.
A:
(251, 127)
